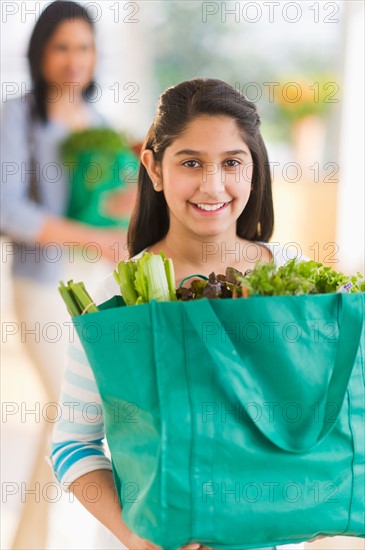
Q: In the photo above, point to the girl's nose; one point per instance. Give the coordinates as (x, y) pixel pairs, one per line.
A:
(212, 182)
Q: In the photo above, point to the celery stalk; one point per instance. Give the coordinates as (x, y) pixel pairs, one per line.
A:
(154, 271)
(124, 274)
(170, 276)
(151, 277)
(140, 282)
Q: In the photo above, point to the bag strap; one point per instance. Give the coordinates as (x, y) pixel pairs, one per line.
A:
(204, 277)
(351, 316)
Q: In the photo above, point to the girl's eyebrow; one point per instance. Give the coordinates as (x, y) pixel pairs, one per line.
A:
(193, 152)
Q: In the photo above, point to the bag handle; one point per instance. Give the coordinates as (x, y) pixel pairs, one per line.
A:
(351, 315)
(204, 277)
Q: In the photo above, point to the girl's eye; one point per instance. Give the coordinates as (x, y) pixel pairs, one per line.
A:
(191, 163)
(231, 163)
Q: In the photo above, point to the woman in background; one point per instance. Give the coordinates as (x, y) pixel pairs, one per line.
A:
(62, 58)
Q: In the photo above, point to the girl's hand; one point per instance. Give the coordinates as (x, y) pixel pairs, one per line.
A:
(317, 538)
(195, 546)
(134, 542)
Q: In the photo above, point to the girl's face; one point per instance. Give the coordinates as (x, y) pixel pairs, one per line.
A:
(69, 56)
(206, 177)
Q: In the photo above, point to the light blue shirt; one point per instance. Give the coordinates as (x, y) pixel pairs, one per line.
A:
(21, 218)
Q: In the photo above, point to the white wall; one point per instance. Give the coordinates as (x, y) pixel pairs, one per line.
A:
(351, 196)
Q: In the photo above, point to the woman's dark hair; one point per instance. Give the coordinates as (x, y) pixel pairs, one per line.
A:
(52, 16)
(178, 106)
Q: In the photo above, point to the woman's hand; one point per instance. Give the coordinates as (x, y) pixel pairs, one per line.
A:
(112, 243)
(120, 204)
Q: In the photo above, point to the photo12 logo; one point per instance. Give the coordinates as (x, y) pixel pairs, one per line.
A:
(269, 491)
(118, 92)
(27, 11)
(271, 12)
(52, 332)
(52, 492)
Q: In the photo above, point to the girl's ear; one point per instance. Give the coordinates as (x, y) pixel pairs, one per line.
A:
(152, 168)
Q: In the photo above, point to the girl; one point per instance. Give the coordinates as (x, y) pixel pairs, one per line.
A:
(204, 199)
(62, 59)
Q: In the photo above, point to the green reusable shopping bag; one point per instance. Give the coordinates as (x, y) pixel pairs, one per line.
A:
(96, 175)
(234, 423)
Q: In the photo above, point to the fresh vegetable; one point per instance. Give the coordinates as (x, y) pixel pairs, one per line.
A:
(149, 278)
(94, 139)
(124, 274)
(76, 298)
(303, 277)
(152, 278)
(293, 278)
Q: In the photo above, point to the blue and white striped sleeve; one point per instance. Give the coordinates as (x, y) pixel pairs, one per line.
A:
(77, 441)
(77, 446)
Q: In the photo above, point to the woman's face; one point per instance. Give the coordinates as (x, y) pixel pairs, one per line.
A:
(206, 176)
(69, 57)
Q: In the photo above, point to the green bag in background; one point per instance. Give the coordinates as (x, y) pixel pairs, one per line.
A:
(100, 162)
(234, 423)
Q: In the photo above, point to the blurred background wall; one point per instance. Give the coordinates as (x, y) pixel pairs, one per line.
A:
(301, 62)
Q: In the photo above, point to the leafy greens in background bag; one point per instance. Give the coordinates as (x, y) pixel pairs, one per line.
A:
(100, 161)
(249, 411)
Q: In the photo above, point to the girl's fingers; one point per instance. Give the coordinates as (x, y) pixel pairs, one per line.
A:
(136, 543)
(151, 546)
(196, 546)
(145, 545)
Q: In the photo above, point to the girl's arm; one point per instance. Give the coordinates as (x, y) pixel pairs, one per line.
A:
(108, 510)
(96, 491)
(77, 439)
(77, 454)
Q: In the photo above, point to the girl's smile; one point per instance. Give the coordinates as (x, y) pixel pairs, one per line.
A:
(210, 209)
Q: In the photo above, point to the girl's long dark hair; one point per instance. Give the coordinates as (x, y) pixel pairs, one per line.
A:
(178, 106)
(52, 16)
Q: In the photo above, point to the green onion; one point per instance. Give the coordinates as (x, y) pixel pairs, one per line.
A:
(124, 274)
(76, 298)
(71, 304)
